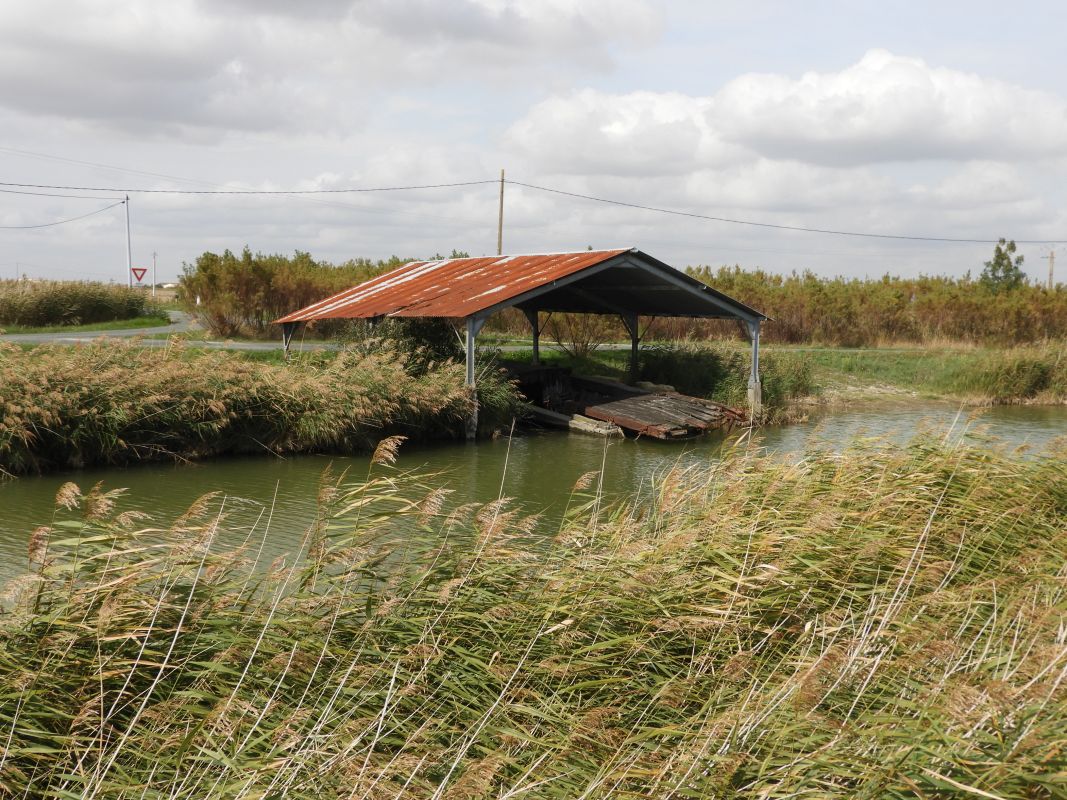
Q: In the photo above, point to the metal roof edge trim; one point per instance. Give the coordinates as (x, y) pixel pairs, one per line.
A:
(628, 254)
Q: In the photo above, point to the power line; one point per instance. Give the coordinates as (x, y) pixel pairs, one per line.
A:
(52, 194)
(250, 191)
(98, 165)
(180, 179)
(827, 231)
(61, 221)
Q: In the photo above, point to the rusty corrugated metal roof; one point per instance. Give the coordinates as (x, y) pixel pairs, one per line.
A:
(452, 287)
(464, 287)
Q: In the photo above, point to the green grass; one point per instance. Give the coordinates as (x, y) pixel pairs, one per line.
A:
(981, 375)
(154, 321)
(200, 335)
(880, 623)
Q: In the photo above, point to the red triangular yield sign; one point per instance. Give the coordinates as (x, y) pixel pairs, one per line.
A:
(138, 272)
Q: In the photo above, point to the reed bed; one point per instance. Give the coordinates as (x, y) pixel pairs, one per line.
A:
(50, 303)
(117, 403)
(888, 622)
(1014, 375)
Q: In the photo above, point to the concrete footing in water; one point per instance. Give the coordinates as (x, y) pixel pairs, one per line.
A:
(574, 422)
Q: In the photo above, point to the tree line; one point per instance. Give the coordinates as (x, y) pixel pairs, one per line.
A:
(241, 294)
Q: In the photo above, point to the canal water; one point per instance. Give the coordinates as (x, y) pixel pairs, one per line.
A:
(538, 470)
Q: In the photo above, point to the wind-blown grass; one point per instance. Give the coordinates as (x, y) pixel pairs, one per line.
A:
(884, 623)
(116, 403)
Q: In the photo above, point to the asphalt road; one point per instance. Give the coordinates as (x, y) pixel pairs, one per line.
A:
(182, 322)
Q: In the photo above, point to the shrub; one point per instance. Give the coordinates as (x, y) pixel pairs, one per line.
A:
(242, 295)
(854, 312)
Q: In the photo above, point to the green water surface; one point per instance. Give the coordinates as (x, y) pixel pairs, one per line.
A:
(537, 469)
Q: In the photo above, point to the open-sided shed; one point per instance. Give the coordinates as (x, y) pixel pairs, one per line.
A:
(625, 282)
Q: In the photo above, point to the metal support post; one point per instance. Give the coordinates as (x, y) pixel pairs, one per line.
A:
(532, 316)
(755, 387)
(474, 325)
(630, 322)
(500, 219)
(288, 329)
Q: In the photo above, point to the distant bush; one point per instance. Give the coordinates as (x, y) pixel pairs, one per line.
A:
(243, 294)
(45, 303)
(853, 312)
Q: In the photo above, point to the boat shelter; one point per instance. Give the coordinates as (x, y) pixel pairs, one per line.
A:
(624, 282)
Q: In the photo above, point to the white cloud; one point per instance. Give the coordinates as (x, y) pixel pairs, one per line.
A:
(183, 66)
(889, 108)
(639, 133)
(884, 108)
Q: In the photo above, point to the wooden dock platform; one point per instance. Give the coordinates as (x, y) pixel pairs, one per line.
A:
(660, 414)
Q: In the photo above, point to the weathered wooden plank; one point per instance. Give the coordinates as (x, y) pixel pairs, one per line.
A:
(661, 414)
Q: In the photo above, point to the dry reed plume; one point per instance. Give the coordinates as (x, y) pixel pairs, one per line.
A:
(884, 623)
(116, 403)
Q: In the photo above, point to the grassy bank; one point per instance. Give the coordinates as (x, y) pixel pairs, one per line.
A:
(114, 325)
(989, 376)
(887, 623)
(115, 403)
(36, 304)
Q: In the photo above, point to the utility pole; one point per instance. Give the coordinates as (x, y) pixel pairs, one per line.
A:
(129, 249)
(1051, 267)
(500, 219)
(153, 274)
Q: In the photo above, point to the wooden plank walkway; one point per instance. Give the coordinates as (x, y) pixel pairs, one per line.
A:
(663, 415)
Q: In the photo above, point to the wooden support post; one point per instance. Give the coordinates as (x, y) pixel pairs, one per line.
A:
(630, 321)
(474, 325)
(532, 316)
(288, 329)
(755, 387)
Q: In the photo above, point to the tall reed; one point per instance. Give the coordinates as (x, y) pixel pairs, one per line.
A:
(45, 303)
(888, 622)
(117, 403)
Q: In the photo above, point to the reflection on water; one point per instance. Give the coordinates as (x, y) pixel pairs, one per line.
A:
(538, 470)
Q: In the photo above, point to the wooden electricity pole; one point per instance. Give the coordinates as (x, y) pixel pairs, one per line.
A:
(1051, 267)
(129, 251)
(500, 219)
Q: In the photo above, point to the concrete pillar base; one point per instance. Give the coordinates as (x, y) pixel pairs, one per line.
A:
(755, 401)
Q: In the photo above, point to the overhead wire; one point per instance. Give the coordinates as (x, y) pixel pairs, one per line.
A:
(22, 188)
(352, 190)
(53, 194)
(277, 193)
(798, 228)
(61, 221)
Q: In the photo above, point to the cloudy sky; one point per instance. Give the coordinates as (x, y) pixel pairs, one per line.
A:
(944, 119)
